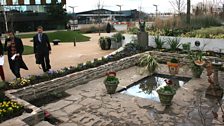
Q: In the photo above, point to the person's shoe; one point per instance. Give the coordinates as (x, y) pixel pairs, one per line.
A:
(39, 66)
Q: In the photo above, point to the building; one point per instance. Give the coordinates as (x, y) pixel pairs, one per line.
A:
(26, 15)
(102, 15)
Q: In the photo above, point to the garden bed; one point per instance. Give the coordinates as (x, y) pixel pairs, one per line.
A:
(53, 97)
(9, 109)
(65, 82)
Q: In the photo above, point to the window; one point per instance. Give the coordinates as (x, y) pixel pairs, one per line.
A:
(48, 1)
(26, 1)
(37, 1)
(15, 1)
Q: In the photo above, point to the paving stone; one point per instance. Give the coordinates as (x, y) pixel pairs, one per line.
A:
(44, 123)
(72, 108)
(58, 113)
(68, 124)
(73, 98)
(89, 94)
(13, 122)
(90, 101)
(86, 119)
(57, 105)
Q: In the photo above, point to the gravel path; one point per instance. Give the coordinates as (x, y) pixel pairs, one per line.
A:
(62, 55)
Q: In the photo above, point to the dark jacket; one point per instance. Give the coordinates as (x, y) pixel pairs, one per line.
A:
(42, 47)
(19, 49)
(1, 49)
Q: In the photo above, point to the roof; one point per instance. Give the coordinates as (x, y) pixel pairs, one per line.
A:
(105, 12)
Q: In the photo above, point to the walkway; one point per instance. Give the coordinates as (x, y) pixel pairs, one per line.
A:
(63, 55)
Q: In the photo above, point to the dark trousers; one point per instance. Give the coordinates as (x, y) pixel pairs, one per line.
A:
(15, 68)
(45, 62)
(2, 73)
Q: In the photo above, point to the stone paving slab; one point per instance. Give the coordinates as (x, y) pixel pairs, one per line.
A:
(44, 123)
(14, 122)
(90, 105)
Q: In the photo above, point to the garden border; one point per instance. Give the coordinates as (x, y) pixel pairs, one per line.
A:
(61, 84)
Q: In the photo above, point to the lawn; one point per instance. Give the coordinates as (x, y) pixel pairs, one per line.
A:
(64, 36)
(27, 50)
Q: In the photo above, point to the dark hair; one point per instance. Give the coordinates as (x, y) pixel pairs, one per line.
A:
(10, 31)
(39, 27)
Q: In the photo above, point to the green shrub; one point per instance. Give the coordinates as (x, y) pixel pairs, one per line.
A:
(174, 60)
(204, 22)
(118, 37)
(133, 30)
(105, 43)
(186, 46)
(159, 42)
(174, 43)
(149, 62)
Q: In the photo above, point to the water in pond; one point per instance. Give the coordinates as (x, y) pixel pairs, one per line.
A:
(146, 87)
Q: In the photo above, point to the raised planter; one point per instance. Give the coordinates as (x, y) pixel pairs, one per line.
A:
(56, 41)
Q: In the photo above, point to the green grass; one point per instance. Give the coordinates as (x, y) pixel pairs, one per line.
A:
(64, 36)
(211, 30)
(27, 50)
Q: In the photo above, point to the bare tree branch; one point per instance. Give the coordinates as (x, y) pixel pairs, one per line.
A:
(178, 5)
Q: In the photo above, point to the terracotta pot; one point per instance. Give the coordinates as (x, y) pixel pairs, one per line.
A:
(173, 68)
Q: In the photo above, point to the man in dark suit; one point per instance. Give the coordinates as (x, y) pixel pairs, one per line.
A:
(42, 49)
(14, 47)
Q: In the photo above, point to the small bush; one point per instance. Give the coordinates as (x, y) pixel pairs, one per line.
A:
(118, 37)
(174, 43)
(159, 42)
(105, 43)
(186, 46)
(133, 30)
(204, 22)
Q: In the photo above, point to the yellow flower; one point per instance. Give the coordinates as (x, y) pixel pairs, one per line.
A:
(10, 109)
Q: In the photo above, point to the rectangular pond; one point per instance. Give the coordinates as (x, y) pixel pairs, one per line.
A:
(146, 87)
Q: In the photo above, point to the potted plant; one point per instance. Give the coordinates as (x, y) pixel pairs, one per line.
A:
(196, 63)
(149, 63)
(111, 82)
(186, 46)
(173, 66)
(117, 40)
(166, 93)
(105, 43)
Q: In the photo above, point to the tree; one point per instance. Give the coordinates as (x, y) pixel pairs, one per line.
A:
(99, 8)
(188, 11)
(178, 5)
(57, 12)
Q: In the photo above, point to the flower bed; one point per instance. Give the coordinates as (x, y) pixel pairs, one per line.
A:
(129, 50)
(9, 109)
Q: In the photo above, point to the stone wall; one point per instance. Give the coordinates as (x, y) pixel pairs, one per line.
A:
(63, 83)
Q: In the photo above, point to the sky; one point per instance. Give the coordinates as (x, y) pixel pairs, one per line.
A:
(146, 5)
